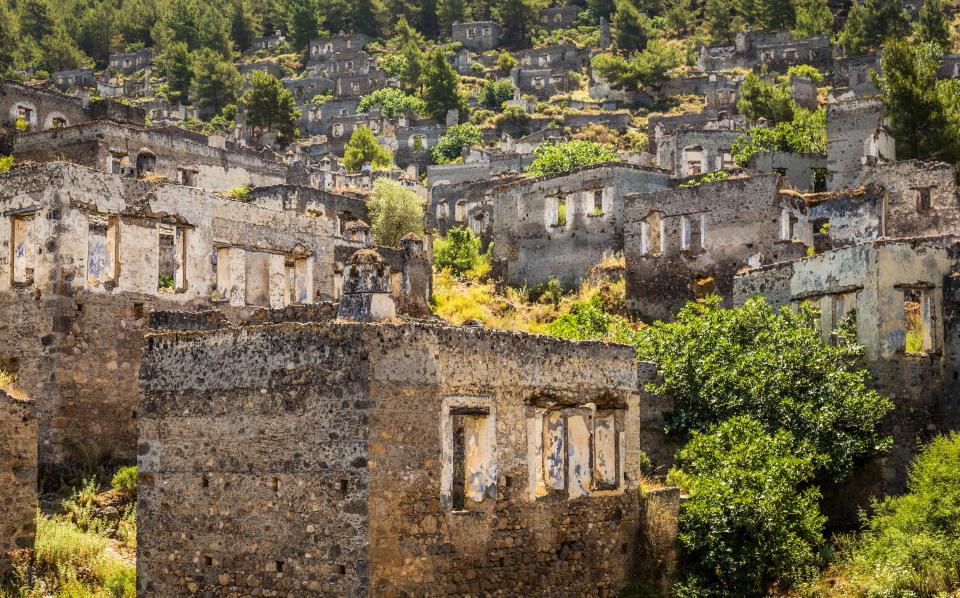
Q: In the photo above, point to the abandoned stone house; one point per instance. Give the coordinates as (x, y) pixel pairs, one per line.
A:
(65, 80)
(681, 244)
(89, 254)
(359, 84)
(131, 62)
(38, 108)
(559, 17)
(305, 88)
(357, 61)
(689, 152)
(268, 42)
(323, 48)
(170, 154)
(774, 51)
(478, 36)
(855, 74)
(562, 225)
(387, 458)
(904, 295)
(806, 172)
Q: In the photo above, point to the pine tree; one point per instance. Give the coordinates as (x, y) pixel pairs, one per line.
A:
(96, 32)
(441, 87)
(365, 17)
(244, 24)
(429, 19)
(336, 14)
(9, 39)
(176, 66)
(412, 74)
(775, 15)
(215, 80)
(61, 53)
(37, 19)
(932, 25)
(303, 23)
(451, 11)
(213, 32)
(181, 20)
(518, 18)
(632, 27)
(601, 8)
(813, 18)
(269, 105)
(720, 16)
(872, 22)
(363, 148)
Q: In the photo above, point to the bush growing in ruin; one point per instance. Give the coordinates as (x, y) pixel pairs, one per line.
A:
(363, 148)
(552, 158)
(752, 521)
(394, 212)
(911, 544)
(392, 103)
(454, 139)
(458, 251)
(771, 365)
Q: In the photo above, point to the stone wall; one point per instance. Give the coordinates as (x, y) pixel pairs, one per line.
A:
(322, 460)
(18, 476)
(851, 125)
(681, 244)
(48, 108)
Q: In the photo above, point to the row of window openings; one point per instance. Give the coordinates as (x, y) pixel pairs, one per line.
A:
(561, 215)
(653, 238)
(919, 335)
(693, 162)
(473, 32)
(103, 266)
(25, 114)
(580, 452)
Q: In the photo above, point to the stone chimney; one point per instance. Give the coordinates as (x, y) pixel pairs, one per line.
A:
(358, 230)
(366, 289)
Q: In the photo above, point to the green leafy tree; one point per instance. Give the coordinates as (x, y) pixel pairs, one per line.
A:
(441, 87)
(805, 70)
(552, 158)
(391, 102)
(932, 25)
(363, 148)
(911, 541)
(916, 103)
(872, 22)
(215, 80)
(632, 27)
(394, 212)
(97, 29)
(453, 141)
(269, 105)
(752, 520)
(813, 18)
(414, 64)
(303, 23)
(764, 99)
(494, 93)
(506, 63)
(176, 64)
(771, 365)
(458, 251)
(644, 69)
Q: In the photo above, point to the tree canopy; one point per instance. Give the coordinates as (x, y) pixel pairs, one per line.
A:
(363, 148)
(269, 105)
(394, 212)
(552, 158)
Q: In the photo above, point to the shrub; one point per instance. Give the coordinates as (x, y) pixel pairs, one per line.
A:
(453, 141)
(589, 320)
(711, 177)
(6, 163)
(494, 93)
(561, 157)
(392, 102)
(746, 525)
(772, 365)
(806, 133)
(505, 63)
(805, 70)
(911, 544)
(363, 148)
(458, 252)
(125, 481)
(394, 212)
(60, 543)
(241, 193)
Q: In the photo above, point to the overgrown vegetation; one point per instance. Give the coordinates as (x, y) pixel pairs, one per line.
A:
(394, 212)
(85, 544)
(553, 158)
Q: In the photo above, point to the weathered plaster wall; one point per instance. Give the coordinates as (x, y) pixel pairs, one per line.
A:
(323, 448)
